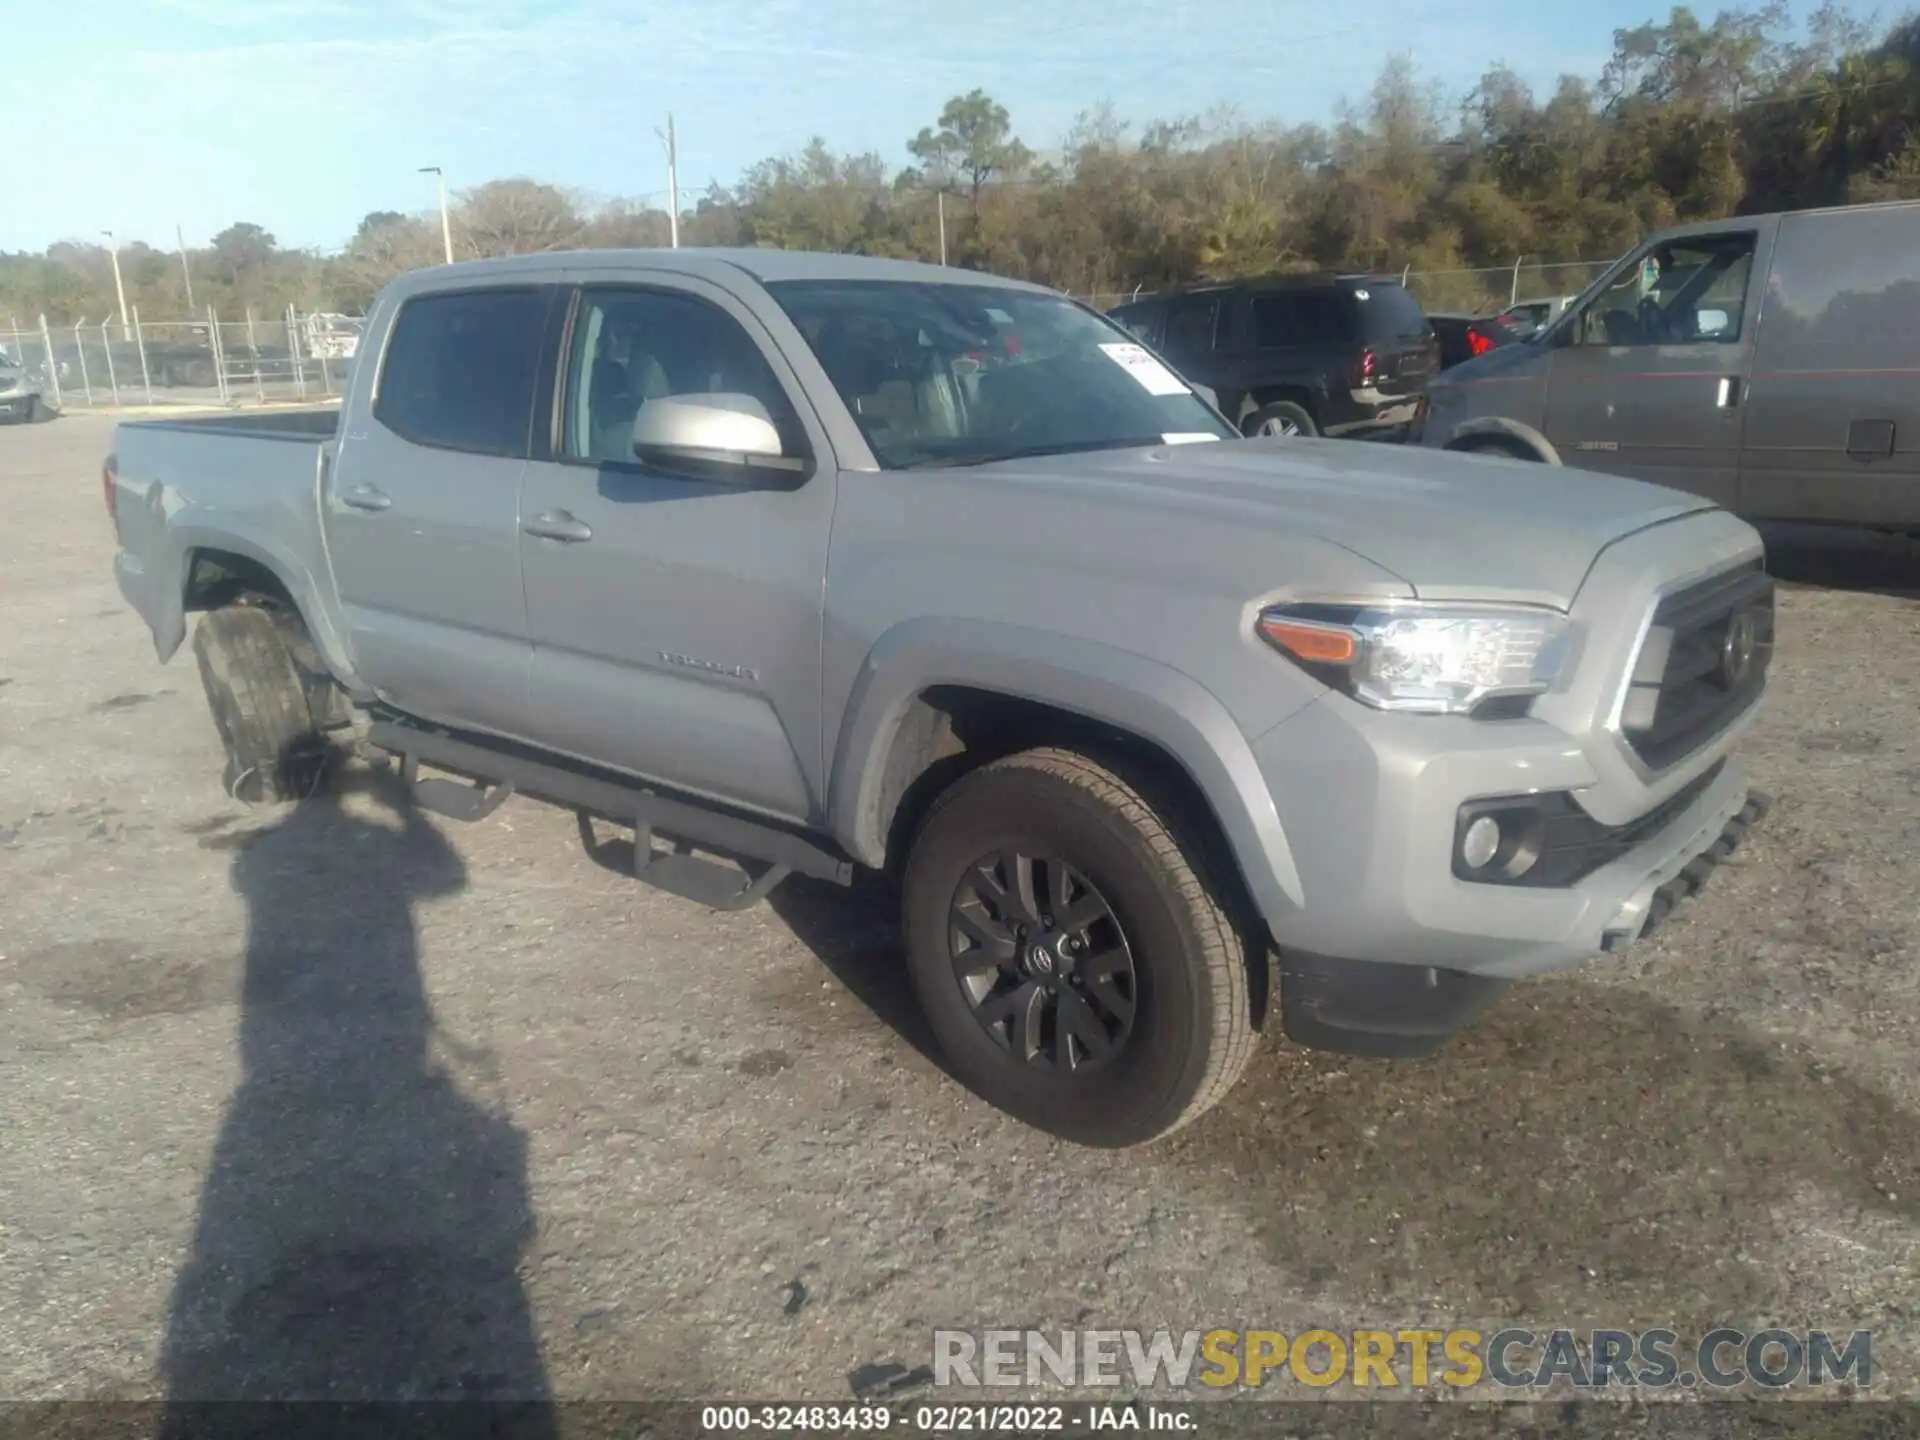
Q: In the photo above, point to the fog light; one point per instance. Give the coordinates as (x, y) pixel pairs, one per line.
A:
(1481, 842)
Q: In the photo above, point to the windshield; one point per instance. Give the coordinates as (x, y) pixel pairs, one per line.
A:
(956, 374)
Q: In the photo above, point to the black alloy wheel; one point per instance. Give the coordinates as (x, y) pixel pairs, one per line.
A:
(1079, 963)
(1042, 961)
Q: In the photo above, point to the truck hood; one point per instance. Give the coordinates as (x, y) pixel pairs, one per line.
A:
(1451, 526)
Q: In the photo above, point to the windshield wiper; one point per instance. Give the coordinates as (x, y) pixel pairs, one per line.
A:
(1032, 452)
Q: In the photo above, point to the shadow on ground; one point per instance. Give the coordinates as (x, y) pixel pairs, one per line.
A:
(360, 1229)
(1839, 557)
(1585, 1155)
(855, 933)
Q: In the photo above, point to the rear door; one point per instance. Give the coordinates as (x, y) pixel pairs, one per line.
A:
(676, 620)
(1394, 329)
(1649, 379)
(1833, 416)
(421, 507)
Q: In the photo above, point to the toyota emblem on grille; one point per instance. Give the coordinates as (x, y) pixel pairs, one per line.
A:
(1736, 654)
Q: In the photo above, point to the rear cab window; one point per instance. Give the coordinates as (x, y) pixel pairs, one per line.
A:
(461, 367)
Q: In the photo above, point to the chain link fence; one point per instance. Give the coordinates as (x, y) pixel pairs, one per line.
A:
(284, 358)
(1473, 292)
(293, 357)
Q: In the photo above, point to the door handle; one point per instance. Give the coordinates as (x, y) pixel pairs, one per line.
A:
(559, 525)
(365, 497)
(1728, 395)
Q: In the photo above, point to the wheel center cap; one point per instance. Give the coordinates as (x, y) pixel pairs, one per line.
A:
(1040, 957)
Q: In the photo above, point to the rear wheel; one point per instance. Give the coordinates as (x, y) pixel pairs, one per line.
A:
(1075, 953)
(264, 702)
(1283, 417)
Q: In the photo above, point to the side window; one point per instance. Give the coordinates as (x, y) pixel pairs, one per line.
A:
(1307, 317)
(1138, 319)
(1274, 321)
(460, 368)
(632, 346)
(1688, 292)
(1190, 326)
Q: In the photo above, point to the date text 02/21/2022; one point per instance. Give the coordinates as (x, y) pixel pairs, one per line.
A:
(941, 1419)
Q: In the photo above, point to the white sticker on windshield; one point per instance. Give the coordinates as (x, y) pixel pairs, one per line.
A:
(1187, 437)
(1154, 378)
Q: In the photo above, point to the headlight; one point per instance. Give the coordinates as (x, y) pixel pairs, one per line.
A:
(1428, 659)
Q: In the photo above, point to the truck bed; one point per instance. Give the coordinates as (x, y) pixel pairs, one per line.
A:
(317, 423)
(231, 485)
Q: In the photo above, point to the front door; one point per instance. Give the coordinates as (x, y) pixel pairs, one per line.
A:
(1649, 379)
(422, 509)
(1189, 335)
(676, 620)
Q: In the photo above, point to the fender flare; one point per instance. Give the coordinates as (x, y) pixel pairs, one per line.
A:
(1507, 429)
(1114, 687)
(170, 627)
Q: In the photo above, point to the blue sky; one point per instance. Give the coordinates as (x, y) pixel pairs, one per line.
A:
(302, 115)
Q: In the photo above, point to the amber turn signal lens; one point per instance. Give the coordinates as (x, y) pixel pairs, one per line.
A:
(1315, 644)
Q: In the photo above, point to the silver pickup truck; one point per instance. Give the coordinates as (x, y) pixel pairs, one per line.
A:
(799, 563)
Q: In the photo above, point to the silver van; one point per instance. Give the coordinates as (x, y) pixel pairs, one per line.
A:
(1769, 362)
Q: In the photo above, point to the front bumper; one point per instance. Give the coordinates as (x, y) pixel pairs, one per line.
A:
(1365, 1007)
(18, 405)
(1374, 415)
(1370, 801)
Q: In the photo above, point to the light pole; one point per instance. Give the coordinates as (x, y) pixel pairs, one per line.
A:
(446, 226)
(119, 287)
(186, 271)
(673, 184)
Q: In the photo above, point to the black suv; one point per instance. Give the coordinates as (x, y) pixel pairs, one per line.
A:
(1346, 355)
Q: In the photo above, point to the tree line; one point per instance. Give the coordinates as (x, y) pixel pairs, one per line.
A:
(1688, 119)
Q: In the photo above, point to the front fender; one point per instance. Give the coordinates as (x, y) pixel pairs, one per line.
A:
(1115, 687)
(1506, 429)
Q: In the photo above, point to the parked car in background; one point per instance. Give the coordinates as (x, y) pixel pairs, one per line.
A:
(21, 401)
(819, 560)
(1670, 368)
(1462, 337)
(1339, 355)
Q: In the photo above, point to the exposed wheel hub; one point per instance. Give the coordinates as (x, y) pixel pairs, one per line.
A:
(1041, 959)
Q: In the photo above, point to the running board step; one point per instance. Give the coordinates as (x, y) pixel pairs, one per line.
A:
(499, 770)
(707, 882)
(449, 797)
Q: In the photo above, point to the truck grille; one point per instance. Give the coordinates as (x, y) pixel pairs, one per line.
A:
(1703, 663)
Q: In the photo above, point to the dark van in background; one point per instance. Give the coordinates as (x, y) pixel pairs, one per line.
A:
(1769, 362)
(1341, 355)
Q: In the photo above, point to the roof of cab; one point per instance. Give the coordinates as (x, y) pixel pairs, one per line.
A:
(762, 265)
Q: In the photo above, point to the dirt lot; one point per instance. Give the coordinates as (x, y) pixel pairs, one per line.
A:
(334, 1102)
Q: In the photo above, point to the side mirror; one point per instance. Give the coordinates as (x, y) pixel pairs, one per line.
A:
(712, 437)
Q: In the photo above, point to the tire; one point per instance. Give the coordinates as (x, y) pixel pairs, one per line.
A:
(262, 704)
(1131, 846)
(1283, 417)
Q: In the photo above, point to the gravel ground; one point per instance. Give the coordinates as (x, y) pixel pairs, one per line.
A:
(331, 1102)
